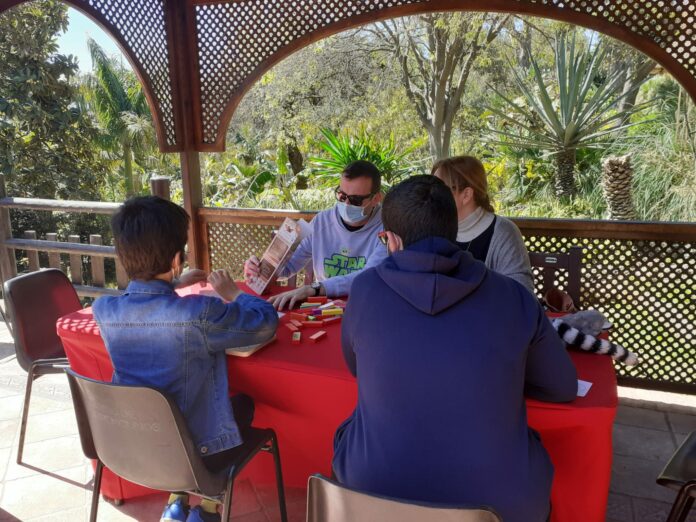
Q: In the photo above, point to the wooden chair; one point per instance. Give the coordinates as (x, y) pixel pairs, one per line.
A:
(550, 262)
(328, 501)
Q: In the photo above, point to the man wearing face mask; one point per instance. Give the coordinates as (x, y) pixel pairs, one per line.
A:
(343, 240)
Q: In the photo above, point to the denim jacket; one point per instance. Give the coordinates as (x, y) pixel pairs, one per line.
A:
(177, 344)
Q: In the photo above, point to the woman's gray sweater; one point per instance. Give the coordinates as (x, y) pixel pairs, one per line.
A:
(507, 254)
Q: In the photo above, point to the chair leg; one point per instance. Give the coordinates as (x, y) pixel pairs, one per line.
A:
(279, 478)
(25, 414)
(682, 505)
(95, 491)
(227, 500)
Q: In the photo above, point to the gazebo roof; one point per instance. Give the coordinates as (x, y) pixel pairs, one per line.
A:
(197, 58)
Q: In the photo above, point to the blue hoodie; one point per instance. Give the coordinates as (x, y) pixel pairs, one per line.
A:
(444, 351)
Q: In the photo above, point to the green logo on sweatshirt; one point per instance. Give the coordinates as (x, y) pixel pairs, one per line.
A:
(340, 265)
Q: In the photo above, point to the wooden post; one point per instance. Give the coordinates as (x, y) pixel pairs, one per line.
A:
(75, 262)
(160, 186)
(180, 41)
(97, 263)
(121, 276)
(32, 255)
(8, 263)
(53, 257)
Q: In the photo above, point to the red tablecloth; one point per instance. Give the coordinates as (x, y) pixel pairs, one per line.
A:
(304, 392)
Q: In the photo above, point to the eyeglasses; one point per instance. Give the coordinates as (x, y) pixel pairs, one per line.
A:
(382, 236)
(356, 201)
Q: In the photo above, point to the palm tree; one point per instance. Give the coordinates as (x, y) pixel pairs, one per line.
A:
(575, 109)
(119, 103)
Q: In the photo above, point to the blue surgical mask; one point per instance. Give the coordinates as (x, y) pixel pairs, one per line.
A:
(350, 214)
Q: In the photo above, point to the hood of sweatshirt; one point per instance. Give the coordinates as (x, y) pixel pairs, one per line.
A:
(432, 274)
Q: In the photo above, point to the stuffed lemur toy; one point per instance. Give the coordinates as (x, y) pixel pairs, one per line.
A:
(581, 329)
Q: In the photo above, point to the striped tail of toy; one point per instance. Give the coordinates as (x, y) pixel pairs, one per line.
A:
(589, 343)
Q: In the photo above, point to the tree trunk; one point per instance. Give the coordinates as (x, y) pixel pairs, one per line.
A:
(617, 184)
(128, 169)
(435, 140)
(565, 173)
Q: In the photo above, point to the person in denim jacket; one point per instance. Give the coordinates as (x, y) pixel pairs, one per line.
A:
(177, 344)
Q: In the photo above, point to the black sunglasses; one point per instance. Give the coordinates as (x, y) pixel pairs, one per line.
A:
(356, 201)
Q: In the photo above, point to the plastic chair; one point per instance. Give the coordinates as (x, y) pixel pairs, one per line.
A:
(35, 301)
(680, 474)
(141, 435)
(328, 501)
(550, 262)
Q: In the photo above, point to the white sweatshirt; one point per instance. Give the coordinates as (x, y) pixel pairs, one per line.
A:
(337, 254)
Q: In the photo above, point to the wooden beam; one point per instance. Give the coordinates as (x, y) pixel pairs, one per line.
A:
(87, 207)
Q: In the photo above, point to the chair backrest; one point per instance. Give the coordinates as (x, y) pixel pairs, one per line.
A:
(139, 434)
(34, 302)
(550, 262)
(328, 501)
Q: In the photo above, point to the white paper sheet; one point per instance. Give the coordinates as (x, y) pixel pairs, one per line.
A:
(583, 387)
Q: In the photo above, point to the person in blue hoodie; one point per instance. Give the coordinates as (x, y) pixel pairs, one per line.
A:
(343, 240)
(445, 351)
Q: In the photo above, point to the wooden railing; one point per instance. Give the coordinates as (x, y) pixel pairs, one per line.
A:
(94, 251)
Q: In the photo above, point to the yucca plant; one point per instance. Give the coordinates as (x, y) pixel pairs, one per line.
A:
(570, 111)
(344, 149)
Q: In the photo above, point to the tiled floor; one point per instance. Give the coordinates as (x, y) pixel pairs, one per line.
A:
(54, 484)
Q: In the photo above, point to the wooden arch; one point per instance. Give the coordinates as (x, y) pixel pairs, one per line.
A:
(197, 58)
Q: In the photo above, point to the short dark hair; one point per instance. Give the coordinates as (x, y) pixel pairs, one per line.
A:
(364, 169)
(420, 207)
(148, 232)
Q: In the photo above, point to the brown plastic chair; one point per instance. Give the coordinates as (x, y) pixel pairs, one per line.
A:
(328, 501)
(34, 302)
(680, 474)
(550, 262)
(140, 434)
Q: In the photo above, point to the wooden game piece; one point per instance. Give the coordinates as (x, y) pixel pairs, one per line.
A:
(296, 323)
(333, 319)
(313, 324)
(332, 311)
(318, 299)
(296, 337)
(291, 327)
(320, 334)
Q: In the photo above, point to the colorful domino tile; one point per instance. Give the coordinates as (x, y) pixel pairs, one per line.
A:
(317, 336)
(296, 323)
(291, 327)
(318, 299)
(298, 317)
(332, 311)
(296, 337)
(333, 319)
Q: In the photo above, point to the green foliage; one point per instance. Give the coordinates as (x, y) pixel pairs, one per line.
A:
(344, 149)
(46, 134)
(570, 111)
(118, 101)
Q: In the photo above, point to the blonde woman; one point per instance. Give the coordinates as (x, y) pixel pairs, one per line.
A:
(493, 239)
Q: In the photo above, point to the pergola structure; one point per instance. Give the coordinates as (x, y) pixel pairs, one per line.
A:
(197, 58)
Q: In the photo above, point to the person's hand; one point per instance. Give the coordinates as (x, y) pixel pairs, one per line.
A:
(251, 268)
(191, 277)
(291, 298)
(224, 285)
